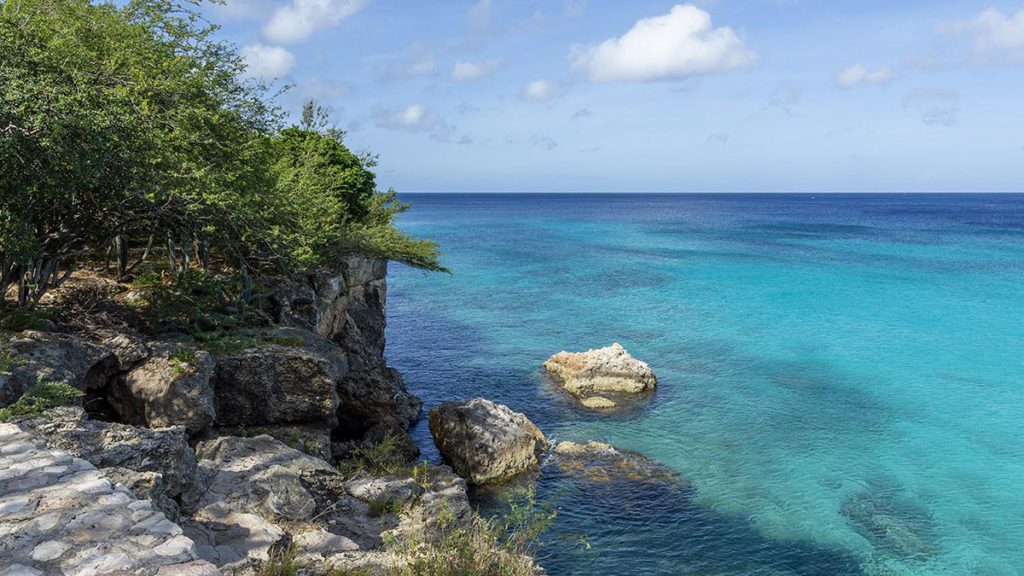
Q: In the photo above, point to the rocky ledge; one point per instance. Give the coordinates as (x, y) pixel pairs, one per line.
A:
(594, 375)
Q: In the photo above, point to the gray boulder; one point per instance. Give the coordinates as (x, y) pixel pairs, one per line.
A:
(43, 356)
(288, 377)
(486, 442)
(171, 388)
(107, 445)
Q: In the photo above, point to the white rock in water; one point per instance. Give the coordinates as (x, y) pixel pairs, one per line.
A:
(609, 369)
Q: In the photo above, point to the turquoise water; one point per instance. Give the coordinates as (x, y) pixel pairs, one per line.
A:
(818, 357)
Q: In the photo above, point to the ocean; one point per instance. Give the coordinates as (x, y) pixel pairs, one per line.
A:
(840, 377)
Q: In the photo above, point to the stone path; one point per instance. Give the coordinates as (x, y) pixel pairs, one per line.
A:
(59, 515)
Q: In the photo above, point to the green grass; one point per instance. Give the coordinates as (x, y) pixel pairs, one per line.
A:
(382, 506)
(8, 361)
(40, 398)
(381, 459)
(499, 546)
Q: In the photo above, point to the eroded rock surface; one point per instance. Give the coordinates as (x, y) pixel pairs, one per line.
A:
(60, 515)
(348, 308)
(171, 388)
(590, 376)
(486, 442)
(107, 445)
(44, 356)
(289, 378)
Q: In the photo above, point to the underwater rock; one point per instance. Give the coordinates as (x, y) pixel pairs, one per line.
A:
(603, 463)
(899, 529)
(486, 442)
(604, 370)
(598, 403)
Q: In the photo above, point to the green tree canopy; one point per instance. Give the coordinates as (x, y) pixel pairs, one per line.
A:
(121, 124)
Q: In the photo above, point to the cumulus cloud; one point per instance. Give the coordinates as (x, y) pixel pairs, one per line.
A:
(419, 61)
(266, 62)
(860, 75)
(467, 71)
(298, 19)
(677, 45)
(994, 33)
(415, 118)
(935, 107)
(539, 91)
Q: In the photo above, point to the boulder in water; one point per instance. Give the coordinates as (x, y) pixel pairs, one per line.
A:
(486, 442)
(612, 370)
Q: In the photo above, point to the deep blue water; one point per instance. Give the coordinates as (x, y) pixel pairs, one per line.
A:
(841, 377)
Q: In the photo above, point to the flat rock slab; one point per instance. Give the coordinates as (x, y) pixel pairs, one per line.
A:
(60, 515)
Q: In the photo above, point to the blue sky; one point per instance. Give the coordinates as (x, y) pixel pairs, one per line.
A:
(656, 96)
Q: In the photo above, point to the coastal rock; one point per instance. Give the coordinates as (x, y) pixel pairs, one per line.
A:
(108, 445)
(171, 388)
(486, 442)
(347, 307)
(48, 357)
(287, 376)
(598, 403)
(60, 515)
(601, 463)
(609, 369)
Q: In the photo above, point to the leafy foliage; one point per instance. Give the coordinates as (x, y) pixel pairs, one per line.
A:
(497, 546)
(126, 125)
(383, 458)
(39, 399)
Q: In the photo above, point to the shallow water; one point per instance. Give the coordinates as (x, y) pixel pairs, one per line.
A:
(841, 378)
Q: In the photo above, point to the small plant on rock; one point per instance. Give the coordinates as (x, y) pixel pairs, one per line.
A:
(39, 399)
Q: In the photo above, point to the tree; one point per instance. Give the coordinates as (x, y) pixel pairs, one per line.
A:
(124, 124)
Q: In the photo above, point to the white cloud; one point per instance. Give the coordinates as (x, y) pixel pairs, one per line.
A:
(994, 32)
(298, 19)
(935, 107)
(539, 91)
(467, 71)
(676, 45)
(415, 118)
(859, 75)
(266, 62)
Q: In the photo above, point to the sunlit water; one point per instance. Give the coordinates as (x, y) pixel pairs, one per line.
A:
(813, 353)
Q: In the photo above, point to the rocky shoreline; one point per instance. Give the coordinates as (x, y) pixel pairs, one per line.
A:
(217, 456)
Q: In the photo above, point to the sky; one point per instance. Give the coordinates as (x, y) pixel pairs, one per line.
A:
(656, 96)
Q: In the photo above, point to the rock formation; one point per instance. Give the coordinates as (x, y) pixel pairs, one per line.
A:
(597, 462)
(60, 515)
(486, 442)
(592, 375)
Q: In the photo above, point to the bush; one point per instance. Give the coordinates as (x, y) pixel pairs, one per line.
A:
(503, 545)
(381, 459)
(39, 399)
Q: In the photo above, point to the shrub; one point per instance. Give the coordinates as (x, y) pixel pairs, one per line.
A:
(502, 545)
(40, 398)
(381, 459)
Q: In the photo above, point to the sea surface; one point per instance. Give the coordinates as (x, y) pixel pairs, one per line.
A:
(841, 377)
